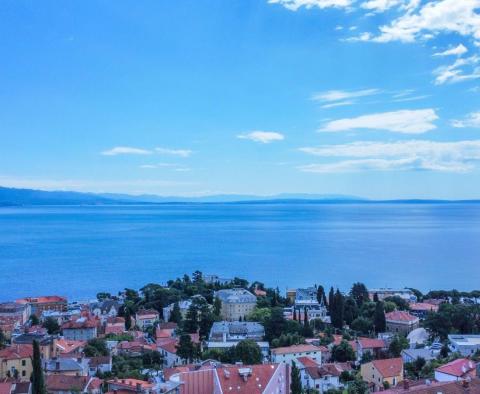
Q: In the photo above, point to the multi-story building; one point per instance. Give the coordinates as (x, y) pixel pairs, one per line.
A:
(16, 362)
(47, 343)
(66, 384)
(15, 311)
(401, 322)
(465, 344)
(81, 329)
(385, 292)
(236, 331)
(45, 303)
(381, 373)
(146, 318)
(459, 369)
(288, 354)
(236, 303)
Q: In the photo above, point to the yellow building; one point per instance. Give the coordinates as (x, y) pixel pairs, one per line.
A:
(383, 372)
(16, 362)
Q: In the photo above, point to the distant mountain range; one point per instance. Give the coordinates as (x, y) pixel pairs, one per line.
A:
(15, 197)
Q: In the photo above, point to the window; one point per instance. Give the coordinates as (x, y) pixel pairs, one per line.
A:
(24, 373)
(24, 362)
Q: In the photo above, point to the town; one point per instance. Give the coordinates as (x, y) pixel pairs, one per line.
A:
(205, 334)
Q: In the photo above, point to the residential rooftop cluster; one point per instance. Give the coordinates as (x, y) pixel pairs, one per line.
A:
(204, 335)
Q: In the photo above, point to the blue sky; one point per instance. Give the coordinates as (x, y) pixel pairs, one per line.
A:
(375, 98)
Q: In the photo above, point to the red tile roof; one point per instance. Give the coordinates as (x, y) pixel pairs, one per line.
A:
(254, 383)
(400, 316)
(66, 383)
(16, 352)
(331, 369)
(6, 388)
(296, 349)
(307, 362)
(371, 343)
(131, 383)
(41, 300)
(69, 346)
(168, 344)
(460, 367)
(389, 367)
(79, 324)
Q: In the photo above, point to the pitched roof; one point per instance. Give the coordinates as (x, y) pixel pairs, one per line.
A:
(16, 352)
(81, 323)
(460, 367)
(455, 387)
(423, 307)
(307, 362)
(296, 349)
(131, 383)
(331, 369)
(371, 343)
(168, 344)
(255, 380)
(69, 346)
(42, 300)
(66, 382)
(401, 316)
(389, 367)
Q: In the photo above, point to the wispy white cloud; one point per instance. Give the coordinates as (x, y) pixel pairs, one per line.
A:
(455, 51)
(338, 104)
(126, 150)
(443, 16)
(380, 5)
(340, 95)
(404, 121)
(411, 98)
(160, 165)
(463, 69)
(294, 5)
(174, 152)
(264, 137)
(458, 156)
(472, 120)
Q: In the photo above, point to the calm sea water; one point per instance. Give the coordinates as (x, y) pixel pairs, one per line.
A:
(78, 251)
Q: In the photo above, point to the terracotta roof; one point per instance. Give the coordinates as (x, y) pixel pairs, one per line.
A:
(163, 333)
(16, 352)
(307, 362)
(168, 326)
(69, 346)
(131, 383)
(331, 369)
(99, 360)
(400, 316)
(79, 324)
(41, 300)
(66, 382)
(369, 343)
(389, 367)
(456, 387)
(460, 367)
(146, 313)
(6, 388)
(168, 344)
(109, 329)
(296, 349)
(255, 382)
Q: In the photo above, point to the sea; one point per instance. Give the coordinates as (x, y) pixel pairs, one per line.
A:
(78, 251)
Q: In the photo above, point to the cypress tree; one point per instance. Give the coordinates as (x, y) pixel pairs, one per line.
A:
(38, 383)
(379, 321)
(331, 300)
(294, 313)
(337, 310)
(128, 319)
(176, 315)
(296, 382)
(305, 317)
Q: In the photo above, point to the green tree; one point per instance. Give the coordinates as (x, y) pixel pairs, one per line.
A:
(362, 325)
(248, 352)
(34, 320)
(51, 325)
(3, 339)
(379, 321)
(359, 293)
(358, 386)
(331, 300)
(260, 315)
(397, 345)
(190, 324)
(350, 310)
(343, 352)
(275, 325)
(321, 296)
(186, 348)
(296, 382)
(217, 306)
(38, 382)
(399, 302)
(176, 314)
(128, 319)
(96, 347)
(102, 296)
(336, 311)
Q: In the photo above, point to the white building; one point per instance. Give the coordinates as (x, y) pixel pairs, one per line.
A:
(466, 345)
(459, 369)
(292, 353)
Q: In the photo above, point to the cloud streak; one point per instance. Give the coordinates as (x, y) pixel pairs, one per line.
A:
(458, 156)
(403, 121)
(264, 137)
(294, 5)
(125, 150)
